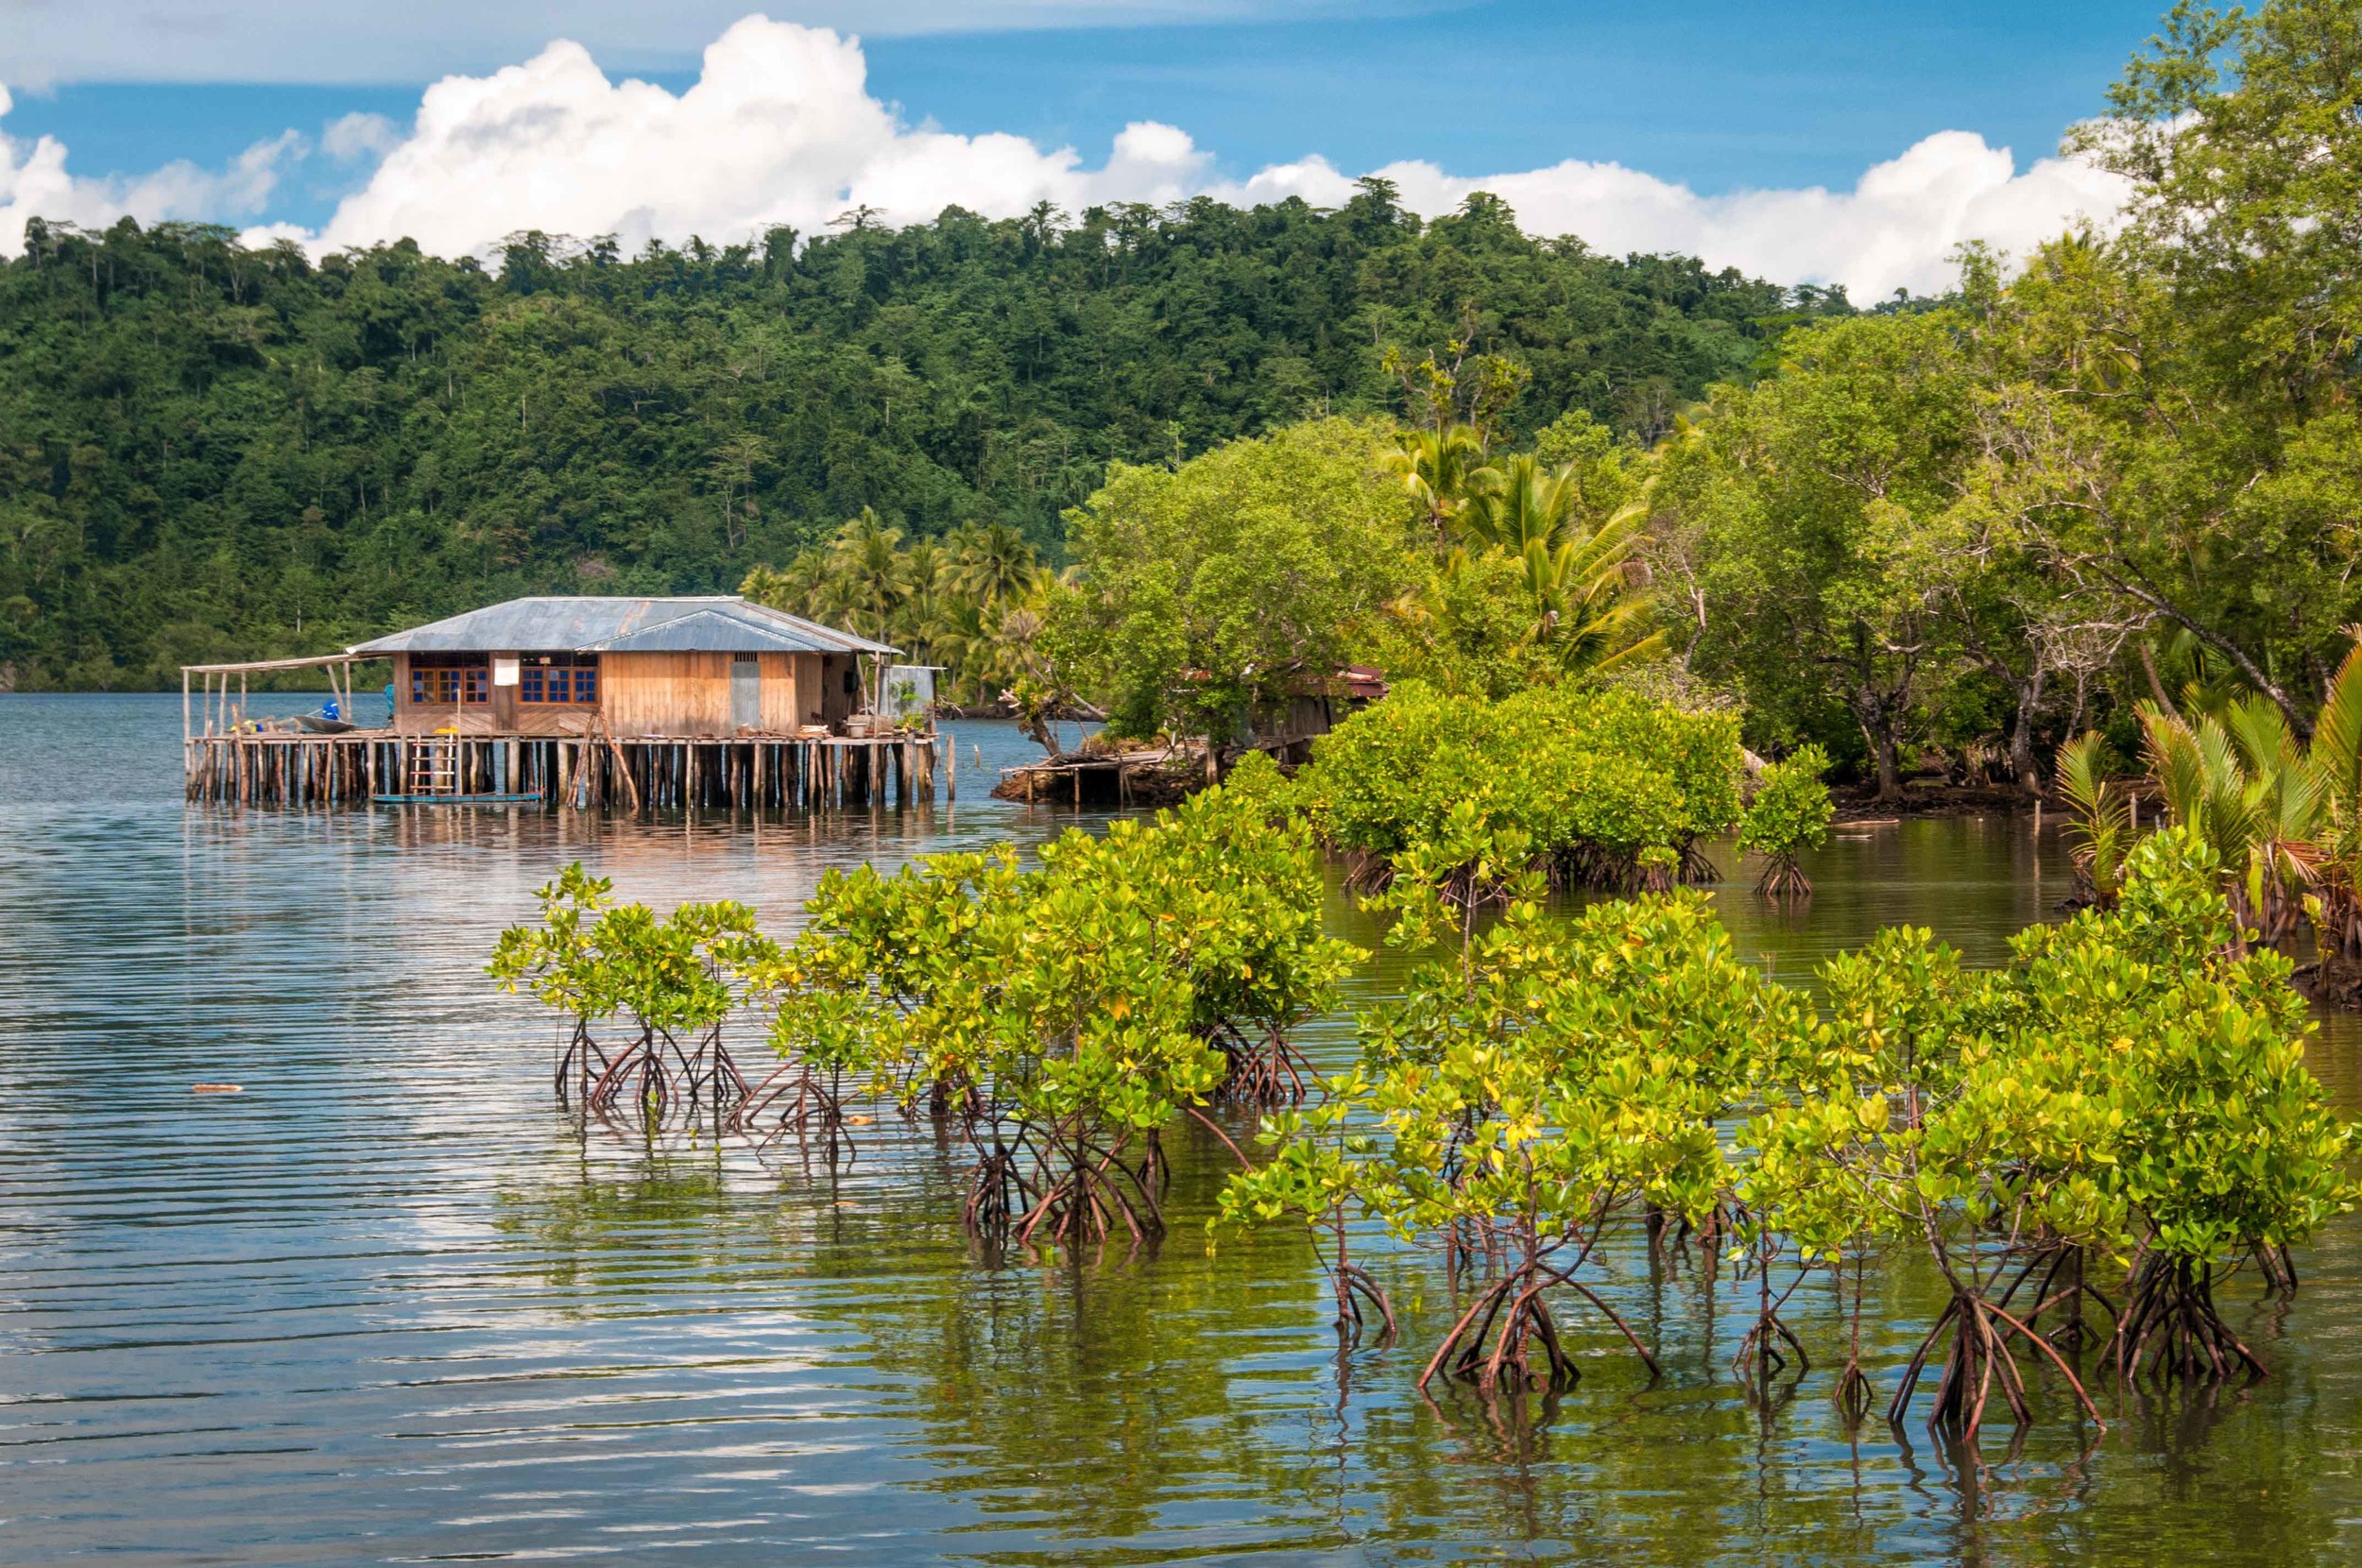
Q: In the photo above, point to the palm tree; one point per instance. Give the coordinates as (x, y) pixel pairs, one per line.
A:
(803, 586)
(2246, 787)
(963, 636)
(1442, 468)
(2336, 755)
(949, 601)
(923, 578)
(865, 557)
(2101, 832)
(1520, 502)
(1587, 614)
(993, 564)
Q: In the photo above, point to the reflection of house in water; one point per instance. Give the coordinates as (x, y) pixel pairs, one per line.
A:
(692, 701)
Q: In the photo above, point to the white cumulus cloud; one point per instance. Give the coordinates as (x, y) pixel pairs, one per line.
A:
(34, 183)
(779, 127)
(1897, 227)
(351, 136)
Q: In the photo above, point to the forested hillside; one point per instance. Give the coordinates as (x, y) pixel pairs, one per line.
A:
(210, 452)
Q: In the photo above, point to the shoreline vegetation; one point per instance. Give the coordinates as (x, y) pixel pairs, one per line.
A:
(2090, 512)
(2089, 1144)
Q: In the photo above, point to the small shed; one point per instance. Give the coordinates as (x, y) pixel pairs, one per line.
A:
(685, 667)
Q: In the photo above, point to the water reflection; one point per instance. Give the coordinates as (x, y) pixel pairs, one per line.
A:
(387, 1305)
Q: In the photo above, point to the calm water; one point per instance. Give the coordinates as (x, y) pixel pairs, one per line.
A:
(387, 1306)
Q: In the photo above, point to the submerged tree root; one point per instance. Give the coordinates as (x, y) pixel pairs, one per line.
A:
(1508, 1338)
(2170, 1327)
(1853, 1396)
(1062, 1185)
(1976, 1359)
(652, 1074)
(1353, 1287)
(1759, 1358)
(1269, 1071)
(2065, 1294)
(1586, 866)
(2279, 1269)
(1784, 877)
(796, 1102)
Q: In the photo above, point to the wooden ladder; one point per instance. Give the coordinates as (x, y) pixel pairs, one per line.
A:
(435, 768)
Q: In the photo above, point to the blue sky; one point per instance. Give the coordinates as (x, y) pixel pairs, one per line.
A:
(1716, 95)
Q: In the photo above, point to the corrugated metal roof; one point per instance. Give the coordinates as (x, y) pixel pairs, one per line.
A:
(710, 623)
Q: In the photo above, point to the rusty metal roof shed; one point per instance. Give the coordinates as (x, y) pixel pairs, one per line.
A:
(710, 623)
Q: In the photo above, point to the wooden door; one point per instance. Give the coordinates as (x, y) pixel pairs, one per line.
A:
(745, 693)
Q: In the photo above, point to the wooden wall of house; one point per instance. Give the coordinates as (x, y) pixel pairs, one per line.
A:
(785, 706)
(502, 715)
(648, 694)
(665, 693)
(785, 681)
(690, 693)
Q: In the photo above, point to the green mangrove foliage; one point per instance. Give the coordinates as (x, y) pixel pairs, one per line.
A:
(1063, 1015)
(1553, 1078)
(2130, 1092)
(669, 981)
(1789, 814)
(1210, 592)
(1606, 788)
(2089, 1140)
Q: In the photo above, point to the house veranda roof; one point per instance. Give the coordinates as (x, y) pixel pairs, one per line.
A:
(711, 624)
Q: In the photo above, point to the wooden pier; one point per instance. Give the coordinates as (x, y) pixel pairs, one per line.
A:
(587, 772)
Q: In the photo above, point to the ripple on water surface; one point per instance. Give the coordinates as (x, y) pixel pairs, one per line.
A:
(385, 1305)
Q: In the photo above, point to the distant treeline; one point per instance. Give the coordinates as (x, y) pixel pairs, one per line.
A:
(209, 451)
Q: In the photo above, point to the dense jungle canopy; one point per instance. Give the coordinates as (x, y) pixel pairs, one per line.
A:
(209, 451)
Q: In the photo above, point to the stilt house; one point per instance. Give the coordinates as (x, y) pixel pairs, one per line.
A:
(687, 702)
(645, 669)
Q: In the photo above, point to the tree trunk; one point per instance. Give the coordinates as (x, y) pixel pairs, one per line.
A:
(1874, 713)
(1889, 769)
(2022, 766)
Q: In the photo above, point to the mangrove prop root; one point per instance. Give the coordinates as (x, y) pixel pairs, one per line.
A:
(1670, 1232)
(1353, 1287)
(1508, 1338)
(796, 1102)
(2171, 1329)
(1061, 1184)
(1853, 1395)
(1267, 1073)
(1759, 1358)
(1783, 877)
(1976, 1359)
(651, 1073)
(2065, 1291)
